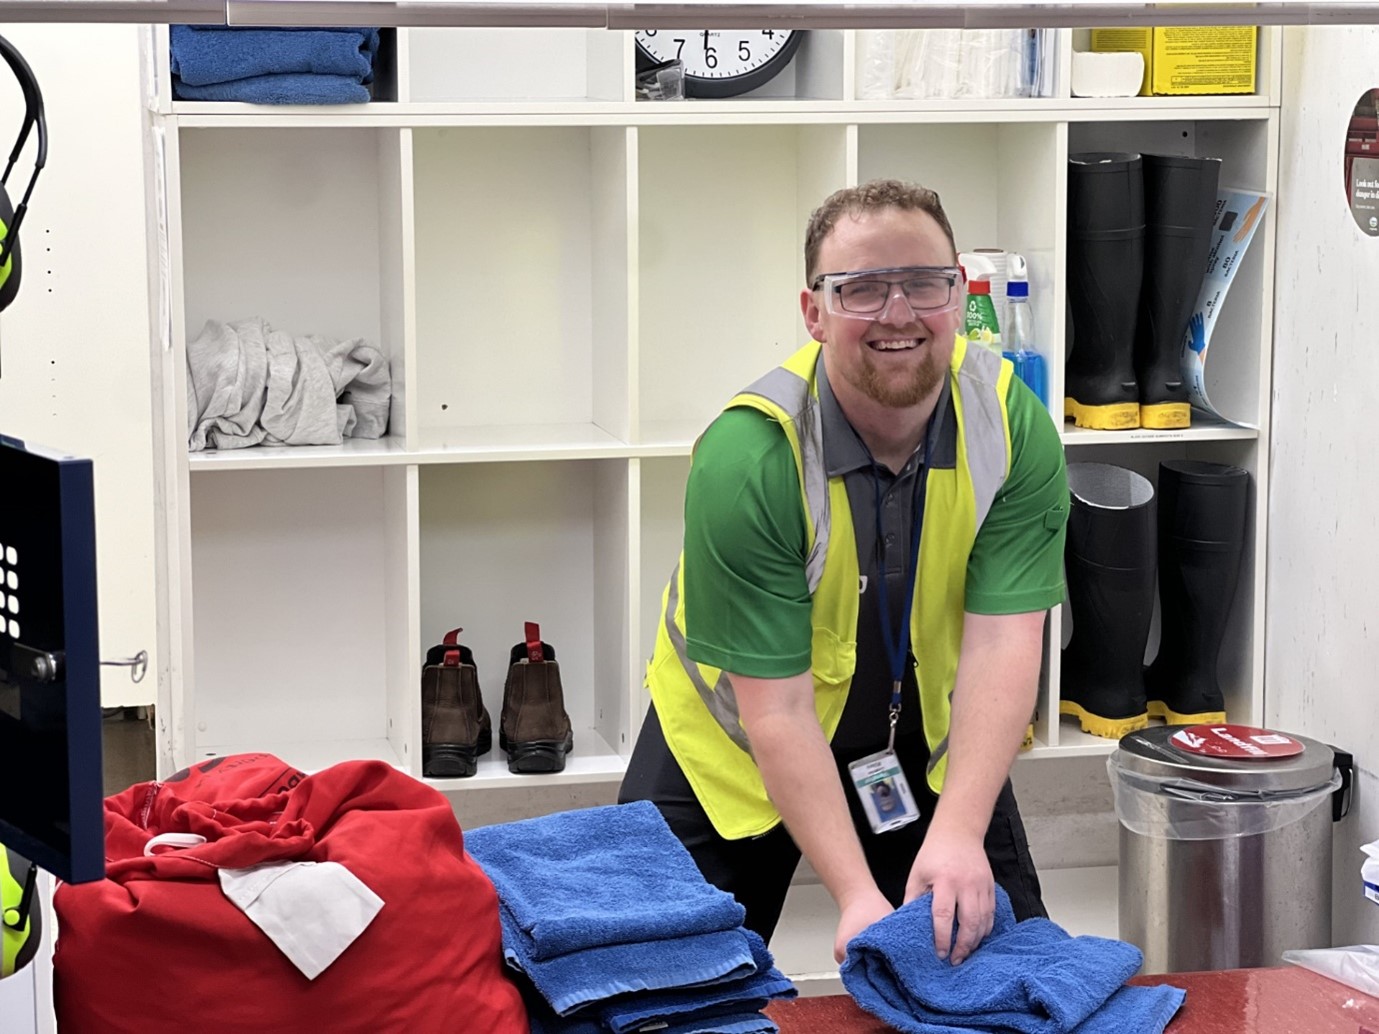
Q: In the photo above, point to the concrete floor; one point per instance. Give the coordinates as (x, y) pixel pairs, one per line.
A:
(127, 750)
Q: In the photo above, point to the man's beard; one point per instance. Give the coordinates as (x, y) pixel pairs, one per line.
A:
(898, 394)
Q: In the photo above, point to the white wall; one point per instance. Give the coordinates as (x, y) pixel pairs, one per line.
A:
(1322, 664)
(17, 1003)
(74, 345)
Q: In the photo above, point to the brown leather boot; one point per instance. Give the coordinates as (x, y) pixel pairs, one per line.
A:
(534, 729)
(455, 726)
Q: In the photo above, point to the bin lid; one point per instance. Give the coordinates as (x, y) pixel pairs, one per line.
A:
(1152, 752)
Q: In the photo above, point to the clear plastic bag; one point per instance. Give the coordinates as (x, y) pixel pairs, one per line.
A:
(1356, 966)
(954, 64)
(1185, 809)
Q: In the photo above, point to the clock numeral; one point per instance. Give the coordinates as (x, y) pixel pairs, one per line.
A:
(648, 32)
(679, 48)
(744, 52)
(769, 33)
(710, 54)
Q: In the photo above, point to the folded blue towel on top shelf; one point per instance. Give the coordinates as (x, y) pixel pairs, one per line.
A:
(205, 55)
(296, 88)
(1029, 977)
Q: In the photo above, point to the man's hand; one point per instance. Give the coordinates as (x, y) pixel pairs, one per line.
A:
(956, 869)
(857, 914)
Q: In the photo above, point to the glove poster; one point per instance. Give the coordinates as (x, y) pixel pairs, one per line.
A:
(1239, 213)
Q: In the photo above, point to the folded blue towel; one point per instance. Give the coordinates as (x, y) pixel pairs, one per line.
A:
(731, 1023)
(633, 1012)
(597, 877)
(297, 88)
(202, 56)
(572, 981)
(1028, 977)
(543, 1021)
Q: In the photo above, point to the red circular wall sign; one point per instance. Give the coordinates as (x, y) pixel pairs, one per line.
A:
(1238, 742)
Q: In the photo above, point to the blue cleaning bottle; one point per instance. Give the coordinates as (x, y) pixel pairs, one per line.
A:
(1019, 340)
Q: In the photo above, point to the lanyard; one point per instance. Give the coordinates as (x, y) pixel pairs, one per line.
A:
(898, 647)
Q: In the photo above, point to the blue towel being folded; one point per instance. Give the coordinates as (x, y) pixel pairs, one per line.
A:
(633, 1012)
(202, 56)
(297, 88)
(599, 876)
(1029, 977)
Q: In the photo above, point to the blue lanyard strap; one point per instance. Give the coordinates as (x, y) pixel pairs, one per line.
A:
(898, 646)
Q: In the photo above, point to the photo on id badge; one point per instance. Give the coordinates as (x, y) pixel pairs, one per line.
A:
(884, 792)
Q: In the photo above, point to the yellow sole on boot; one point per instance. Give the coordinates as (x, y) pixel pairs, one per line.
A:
(1028, 742)
(1165, 416)
(1158, 709)
(1110, 728)
(1119, 416)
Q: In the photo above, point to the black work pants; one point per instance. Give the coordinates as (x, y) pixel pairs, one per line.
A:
(758, 870)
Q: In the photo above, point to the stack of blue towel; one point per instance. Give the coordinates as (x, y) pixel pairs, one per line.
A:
(272, 66)
(615, 929)
(1024, 978)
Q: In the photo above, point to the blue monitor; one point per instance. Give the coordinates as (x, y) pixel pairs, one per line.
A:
(51, 808)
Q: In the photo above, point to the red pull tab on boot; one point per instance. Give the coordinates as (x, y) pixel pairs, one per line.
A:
(534, 652)
(452, 657)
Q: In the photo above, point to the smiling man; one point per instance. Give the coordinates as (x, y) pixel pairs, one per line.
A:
(873, 536)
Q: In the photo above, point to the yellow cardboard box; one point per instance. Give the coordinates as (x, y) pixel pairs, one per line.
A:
(1188, 59)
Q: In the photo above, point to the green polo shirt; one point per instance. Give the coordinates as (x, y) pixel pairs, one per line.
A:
(747, 603)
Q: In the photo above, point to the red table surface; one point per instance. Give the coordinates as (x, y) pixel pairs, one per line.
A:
(1282, 1000)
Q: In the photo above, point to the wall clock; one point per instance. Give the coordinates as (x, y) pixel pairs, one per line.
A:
(719, 62)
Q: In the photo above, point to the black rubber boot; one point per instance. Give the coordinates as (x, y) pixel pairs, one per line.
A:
(1179, 208)
(1202, 508)
(1105, 271)
(1110, 570)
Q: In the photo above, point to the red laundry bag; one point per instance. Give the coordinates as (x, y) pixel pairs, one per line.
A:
(156, 947)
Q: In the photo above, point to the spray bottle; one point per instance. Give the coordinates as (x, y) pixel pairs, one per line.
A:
(1019, 340)
(979, 323)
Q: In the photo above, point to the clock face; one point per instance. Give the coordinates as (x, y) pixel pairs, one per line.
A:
(721, 62)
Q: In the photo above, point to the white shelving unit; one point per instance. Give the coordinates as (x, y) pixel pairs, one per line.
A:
(570, 284)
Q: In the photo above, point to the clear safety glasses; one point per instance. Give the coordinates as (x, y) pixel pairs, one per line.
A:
(866, 293)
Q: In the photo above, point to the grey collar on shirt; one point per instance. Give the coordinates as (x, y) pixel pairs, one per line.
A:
(843, 448)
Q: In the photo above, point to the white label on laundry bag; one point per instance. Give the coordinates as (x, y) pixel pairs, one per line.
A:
(312, 911)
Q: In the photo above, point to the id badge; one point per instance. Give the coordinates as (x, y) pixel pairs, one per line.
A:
(884, 791)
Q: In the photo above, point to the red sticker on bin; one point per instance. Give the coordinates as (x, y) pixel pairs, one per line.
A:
(1236, 741)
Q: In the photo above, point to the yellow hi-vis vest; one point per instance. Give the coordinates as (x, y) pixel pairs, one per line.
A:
(695, 702)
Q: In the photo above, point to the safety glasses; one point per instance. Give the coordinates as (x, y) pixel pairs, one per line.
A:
(866, 293)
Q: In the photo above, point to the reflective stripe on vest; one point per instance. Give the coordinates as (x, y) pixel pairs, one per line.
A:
(730, 789)
(793, 393)
(720, 700)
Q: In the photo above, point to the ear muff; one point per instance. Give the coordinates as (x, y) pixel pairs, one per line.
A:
(21, 928)
(10, 270)
(12, 217)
